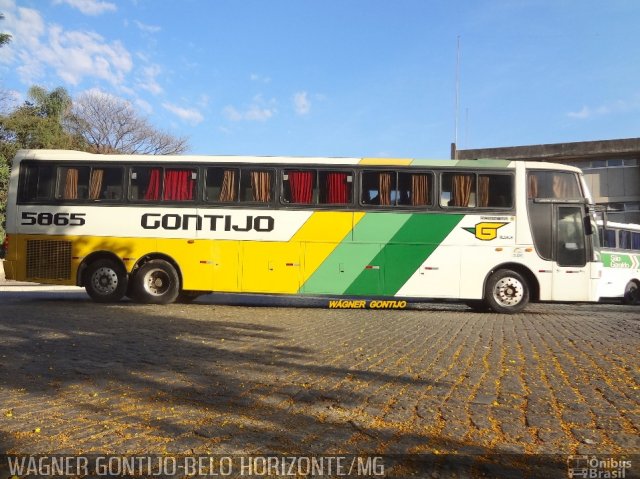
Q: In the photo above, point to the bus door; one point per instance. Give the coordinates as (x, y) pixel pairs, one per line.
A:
(571, 273)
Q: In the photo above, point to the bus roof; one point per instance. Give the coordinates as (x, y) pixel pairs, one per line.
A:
(622, 226)
(72, 155)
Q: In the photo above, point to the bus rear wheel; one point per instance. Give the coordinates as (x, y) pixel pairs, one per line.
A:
(507, 291)
(105, 281)
(156, 282)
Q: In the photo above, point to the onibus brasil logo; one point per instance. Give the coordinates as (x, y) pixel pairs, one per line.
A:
(485, 231)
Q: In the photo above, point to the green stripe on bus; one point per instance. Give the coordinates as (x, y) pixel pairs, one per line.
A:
(403, 254)
(351, 258)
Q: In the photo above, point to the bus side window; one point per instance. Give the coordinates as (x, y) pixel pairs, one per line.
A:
(167, 184)
(256, 186)
(222, 184)
(495, 191)
(145, 183)
(624, 238)
(379, 188)
(335, 187)
(37, 182)
(105, 183)
(609, 238)
(414, 189)
(299, 186)
(458, 190)
(73, 183)
(180, 184)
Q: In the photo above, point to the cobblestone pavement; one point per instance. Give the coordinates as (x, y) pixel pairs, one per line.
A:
(78, 377)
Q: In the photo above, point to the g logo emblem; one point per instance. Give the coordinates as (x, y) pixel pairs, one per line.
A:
(485, 231)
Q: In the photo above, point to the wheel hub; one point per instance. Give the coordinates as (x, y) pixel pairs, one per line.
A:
(508, 291)
(105, 281)
(157, 282)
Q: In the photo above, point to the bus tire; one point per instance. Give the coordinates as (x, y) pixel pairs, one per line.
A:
(156, 282)
(507, 291)
(105, 281)
(631, 293)
(477, 305)
(188, 297)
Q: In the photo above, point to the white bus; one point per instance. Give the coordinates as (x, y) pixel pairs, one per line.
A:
(621, 261)
(495, 234)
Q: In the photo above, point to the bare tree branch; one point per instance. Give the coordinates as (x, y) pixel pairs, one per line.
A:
(110, 125)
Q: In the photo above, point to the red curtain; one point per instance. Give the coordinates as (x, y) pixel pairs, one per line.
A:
(178, 185)
(153, 190)
(337, 188)
(301, 185)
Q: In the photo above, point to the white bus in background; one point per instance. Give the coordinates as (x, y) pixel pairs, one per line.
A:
(620, 255)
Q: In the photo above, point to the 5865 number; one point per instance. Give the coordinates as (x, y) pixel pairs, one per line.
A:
(57, 219)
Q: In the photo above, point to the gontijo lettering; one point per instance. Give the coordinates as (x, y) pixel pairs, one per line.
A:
(153, 221)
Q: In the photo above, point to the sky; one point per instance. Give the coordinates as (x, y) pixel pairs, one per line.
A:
(345, 78)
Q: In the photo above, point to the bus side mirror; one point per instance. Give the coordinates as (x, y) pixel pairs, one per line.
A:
(588, 227)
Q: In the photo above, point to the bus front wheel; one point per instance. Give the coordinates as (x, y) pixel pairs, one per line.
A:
(156, 282)
(507, 291)
(105, 281)
(631, 293)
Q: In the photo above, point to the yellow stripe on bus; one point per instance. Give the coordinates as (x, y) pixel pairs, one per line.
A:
(227, 265)
(332, 227)
(385, 161)
(283, 267)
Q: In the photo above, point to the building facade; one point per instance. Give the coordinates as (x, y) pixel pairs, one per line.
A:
(611, 169)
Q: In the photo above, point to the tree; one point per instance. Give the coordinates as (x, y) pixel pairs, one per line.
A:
(38, 123)
(4, 160)
(109, 124)
(34, 124)
(54, 104)
(4, 37)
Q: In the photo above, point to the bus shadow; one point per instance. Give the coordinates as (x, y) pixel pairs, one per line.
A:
(64, 359)
(190, 379)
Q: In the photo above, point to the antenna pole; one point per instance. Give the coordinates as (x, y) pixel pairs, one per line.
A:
(455, 133)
